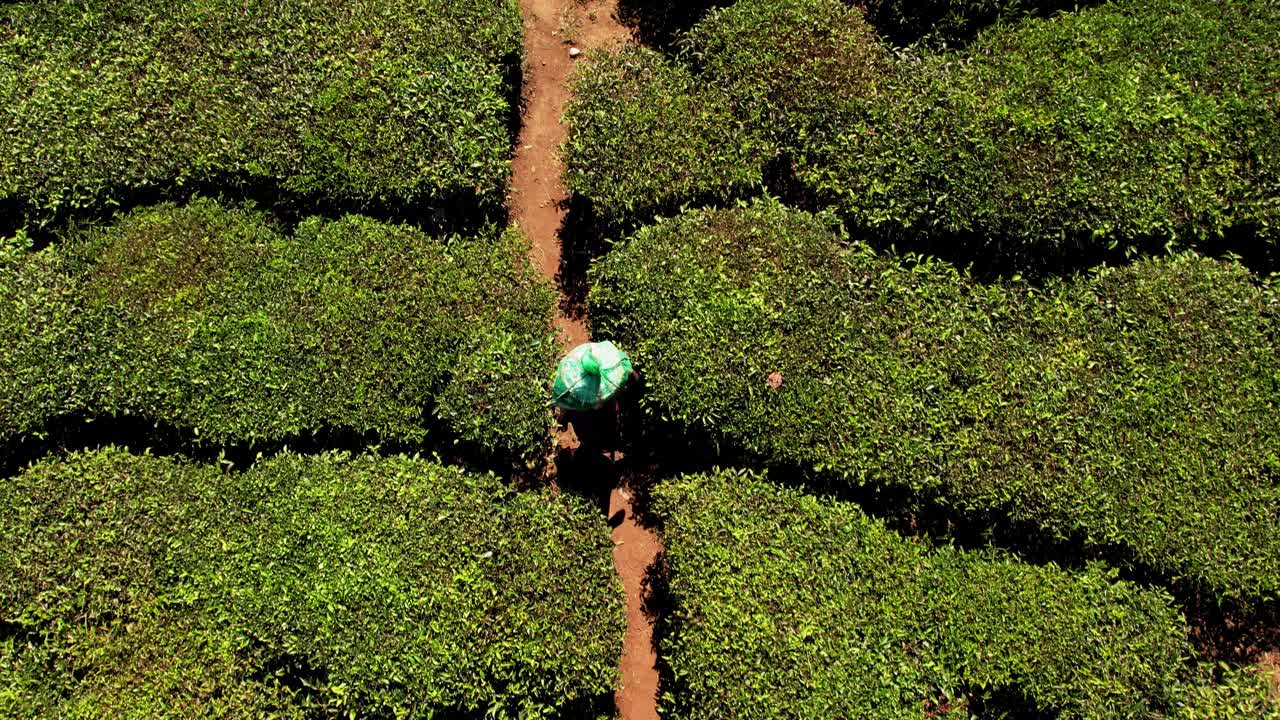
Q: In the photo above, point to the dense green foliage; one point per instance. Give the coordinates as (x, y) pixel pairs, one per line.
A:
(951, 21)
(663, 22)
(211, 320)
(649, 134)
(788, 91)
(1133, 407)
(660, 23)
(1240, 694)
(790, 606)
(1124, 124)
(139, 587)
(1129, 414)
(377, 101)
(655, 140)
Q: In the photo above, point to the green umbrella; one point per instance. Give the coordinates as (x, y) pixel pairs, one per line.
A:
(589, 375)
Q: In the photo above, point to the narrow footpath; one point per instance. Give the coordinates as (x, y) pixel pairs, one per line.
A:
(538, 205)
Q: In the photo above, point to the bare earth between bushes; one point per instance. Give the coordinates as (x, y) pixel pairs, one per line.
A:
(538, 205)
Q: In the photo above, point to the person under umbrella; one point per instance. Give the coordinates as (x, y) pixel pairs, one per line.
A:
(588, 382)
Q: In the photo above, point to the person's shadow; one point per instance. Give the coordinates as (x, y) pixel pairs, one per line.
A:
(591, 474)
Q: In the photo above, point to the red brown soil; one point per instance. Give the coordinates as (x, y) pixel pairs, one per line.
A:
(636, 548)
(538, 194)
(538, 206)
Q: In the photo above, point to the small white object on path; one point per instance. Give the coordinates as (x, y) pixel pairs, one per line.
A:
(574, 52)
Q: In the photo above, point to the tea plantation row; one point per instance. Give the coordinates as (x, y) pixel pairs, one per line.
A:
(396, 103)
(316, 586)
(1132, 408)
(321, 586)
(211, 320)
(954, 21)
(929, 22)
(786, 605)
(1130, 124)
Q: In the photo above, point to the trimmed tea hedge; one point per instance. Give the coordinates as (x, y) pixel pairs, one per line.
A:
(645, 137)
(1114, 125)
(1125, 124)
(1241, 694)
(934, 22)
(380, 102)
(954, 21)
(790, 606)
(647, 134)
(659, 23)
(319, 586)
(208, 319)
(1134, 407)
(794, 91)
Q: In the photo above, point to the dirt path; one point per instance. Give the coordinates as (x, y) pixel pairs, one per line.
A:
(538, 194)
(537, 204)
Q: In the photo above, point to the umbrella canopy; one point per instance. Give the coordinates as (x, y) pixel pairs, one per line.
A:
(590, 375)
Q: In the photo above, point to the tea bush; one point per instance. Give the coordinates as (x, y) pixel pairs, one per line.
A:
(954, 21)
(320, 586)
(831, 65)
(370, 103)
(647, 138)
(1130, 124)
(663, 22)
(1133, 407)
(104, 559)
(659, 23)
(209, 319)
(786, 605)
(1124, 124)
(1240, 694)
